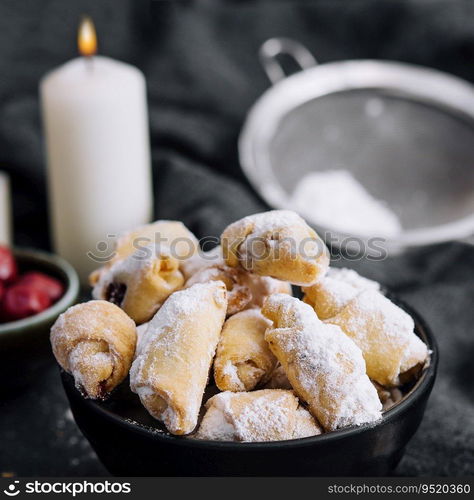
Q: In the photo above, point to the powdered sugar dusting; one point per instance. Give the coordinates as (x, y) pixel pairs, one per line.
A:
(276, 222)
(262, 287)
(272, 220)
(306, 425)
(84, 365)
(169, 318)
(133, 266)
(238, 294)
(385, 334)
(265, 415)
(323, 365)
(141, 330)
(352, 278)
(245, 289)
(279, 244)
(230, 370)
(81, 321)
(215, 426)
(173, 342)
(336, 290)
(262, 418)
(397, 325)
(201, 260)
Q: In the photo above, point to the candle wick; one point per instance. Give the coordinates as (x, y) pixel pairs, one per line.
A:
(89, 62)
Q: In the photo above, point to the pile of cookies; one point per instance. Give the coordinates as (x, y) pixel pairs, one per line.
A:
(178, 320)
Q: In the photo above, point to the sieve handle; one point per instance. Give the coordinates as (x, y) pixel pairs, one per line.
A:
(274, 47)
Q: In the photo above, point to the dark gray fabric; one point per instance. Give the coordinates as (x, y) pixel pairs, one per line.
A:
(200, 61)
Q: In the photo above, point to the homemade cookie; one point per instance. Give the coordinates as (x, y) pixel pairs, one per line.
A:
(325, 368)
(95, 343)
(140, 283)
(279, 244)
(385, 334)
(243, 358)
(172, 364)
(266, 415)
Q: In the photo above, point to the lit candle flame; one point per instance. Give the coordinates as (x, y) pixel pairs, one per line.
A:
(86, 37)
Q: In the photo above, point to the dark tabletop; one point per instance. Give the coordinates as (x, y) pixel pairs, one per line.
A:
(199, 58)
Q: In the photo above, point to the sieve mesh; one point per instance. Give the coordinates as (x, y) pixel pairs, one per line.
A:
(417, 157)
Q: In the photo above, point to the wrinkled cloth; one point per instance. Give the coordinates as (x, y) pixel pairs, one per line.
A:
(199, 59)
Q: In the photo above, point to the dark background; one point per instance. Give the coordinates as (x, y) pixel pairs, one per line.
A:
(199, 58)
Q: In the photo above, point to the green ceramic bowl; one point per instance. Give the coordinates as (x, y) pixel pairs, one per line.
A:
(24, 344)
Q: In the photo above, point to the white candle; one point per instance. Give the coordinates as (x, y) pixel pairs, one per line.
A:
(5, 211)
(98, 154)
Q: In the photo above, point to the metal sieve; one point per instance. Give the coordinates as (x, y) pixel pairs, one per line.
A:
(405, 132)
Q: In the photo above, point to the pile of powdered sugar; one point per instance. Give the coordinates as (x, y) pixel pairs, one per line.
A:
(335, 200)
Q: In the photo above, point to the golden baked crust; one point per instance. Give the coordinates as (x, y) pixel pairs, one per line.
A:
(279, 244)
(243, 358)
(244, 290)
(172, 364)
(238, 295)
(384, 333)
(167, 233)
(95, 342)
(164, 234)
(265, 415)
(329, 295)
(324, 366)
(305, 425)
(262, 287)
(140, 285)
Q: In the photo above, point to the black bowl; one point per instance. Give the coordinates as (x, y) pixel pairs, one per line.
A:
(131, 443)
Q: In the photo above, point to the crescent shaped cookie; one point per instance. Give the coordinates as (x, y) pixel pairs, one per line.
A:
(336, 290)
(385, 334)
(140, 283)
(243, 358)
(169, 234)
(175, 354)
(95, 342)
(279, 244)
(265, 415)
(325, 368)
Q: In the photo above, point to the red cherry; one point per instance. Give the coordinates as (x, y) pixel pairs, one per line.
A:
(40, 281)
(8, 268)
(21, 301)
